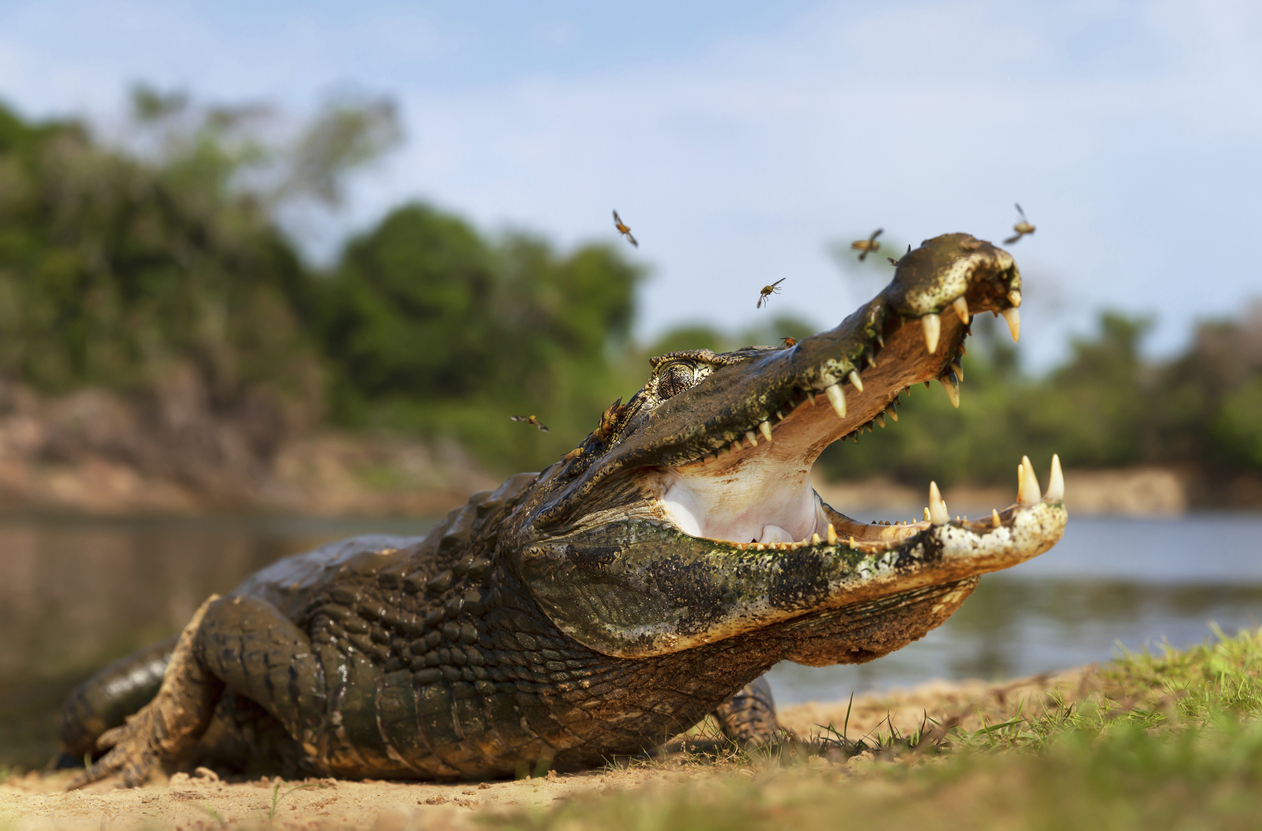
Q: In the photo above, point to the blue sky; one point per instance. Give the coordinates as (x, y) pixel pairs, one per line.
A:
(739, 140)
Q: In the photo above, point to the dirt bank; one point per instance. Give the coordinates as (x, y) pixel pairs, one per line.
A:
(203, 801)
(178, 451)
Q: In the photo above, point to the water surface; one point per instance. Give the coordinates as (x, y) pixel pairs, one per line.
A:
(77, 593)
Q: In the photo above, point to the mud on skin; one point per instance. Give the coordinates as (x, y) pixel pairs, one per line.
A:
(647, 579)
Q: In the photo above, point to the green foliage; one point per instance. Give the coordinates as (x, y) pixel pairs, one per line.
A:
(429, 327)
(119, 268)
(113, 272)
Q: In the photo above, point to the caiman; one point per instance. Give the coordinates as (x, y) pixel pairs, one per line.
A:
(644, 581)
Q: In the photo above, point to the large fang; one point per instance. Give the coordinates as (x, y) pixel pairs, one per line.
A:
(751, 438)
(837, 399)
(765, 428)
(1028, 494)
(952, 391)
(856, 380)
(1056, 483)
(933, 327)
(1013, 318)
(961, 309)
(937, 508)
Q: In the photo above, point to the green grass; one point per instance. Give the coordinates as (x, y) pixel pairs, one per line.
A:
(1156, 740)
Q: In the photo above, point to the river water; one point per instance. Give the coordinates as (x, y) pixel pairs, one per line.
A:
(77, 593)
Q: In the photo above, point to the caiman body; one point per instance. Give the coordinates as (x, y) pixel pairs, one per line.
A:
(607, 603)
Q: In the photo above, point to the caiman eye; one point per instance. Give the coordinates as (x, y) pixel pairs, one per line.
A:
(674, 379)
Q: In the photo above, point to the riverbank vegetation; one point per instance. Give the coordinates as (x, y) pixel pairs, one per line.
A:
(126, 264)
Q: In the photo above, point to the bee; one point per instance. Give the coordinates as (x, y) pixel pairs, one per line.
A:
(788, 342)
(867, 246)
(530, 420)
(764, 296)
(895, 262)
(623, 228)
(1022, 228)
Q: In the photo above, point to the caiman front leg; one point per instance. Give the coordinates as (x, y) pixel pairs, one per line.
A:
(242, 644)
(167, 726)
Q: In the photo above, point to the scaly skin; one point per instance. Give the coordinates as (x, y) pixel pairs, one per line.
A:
(607, 603)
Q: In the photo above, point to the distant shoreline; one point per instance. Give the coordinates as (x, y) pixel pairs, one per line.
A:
(96, 452)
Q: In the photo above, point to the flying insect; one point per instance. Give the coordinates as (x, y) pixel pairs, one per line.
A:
(530, 420)
(624, 229)
(1022, 228)
(867, 246)
(764, 296)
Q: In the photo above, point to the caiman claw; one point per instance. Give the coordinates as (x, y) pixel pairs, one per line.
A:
(167, 726)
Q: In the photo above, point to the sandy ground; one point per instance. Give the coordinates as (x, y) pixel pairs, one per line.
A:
(203, 801)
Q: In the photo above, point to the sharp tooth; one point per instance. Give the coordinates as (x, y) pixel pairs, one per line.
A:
(1014, 297)
(810, 399)
(1029, 485)
(952, 391)
(832, 534)
(815, 539)
(961, 309)
(1056, 482)
(880, 419)
(759, 547)
(937, 508)
(893, 414)
(1013, 318)
(835, 397)
(751, 438)
(736, 446)
(1020, 481)
(926, 519)
(994, 517)
(852, 545)
(765, 429)
(856, 380)
(958, 370)
(933, 327)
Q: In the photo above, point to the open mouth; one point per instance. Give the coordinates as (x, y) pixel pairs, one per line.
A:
(688, 516)
(754, 491)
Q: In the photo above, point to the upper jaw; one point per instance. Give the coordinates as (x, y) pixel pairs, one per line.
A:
(751, 481)
(913, 331)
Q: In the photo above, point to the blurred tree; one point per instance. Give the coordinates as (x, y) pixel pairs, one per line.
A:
(1209, 417)
(112, 273)
(430, 327)
(119, 267)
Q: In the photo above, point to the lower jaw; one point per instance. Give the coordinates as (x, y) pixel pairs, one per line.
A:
(829, 526)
